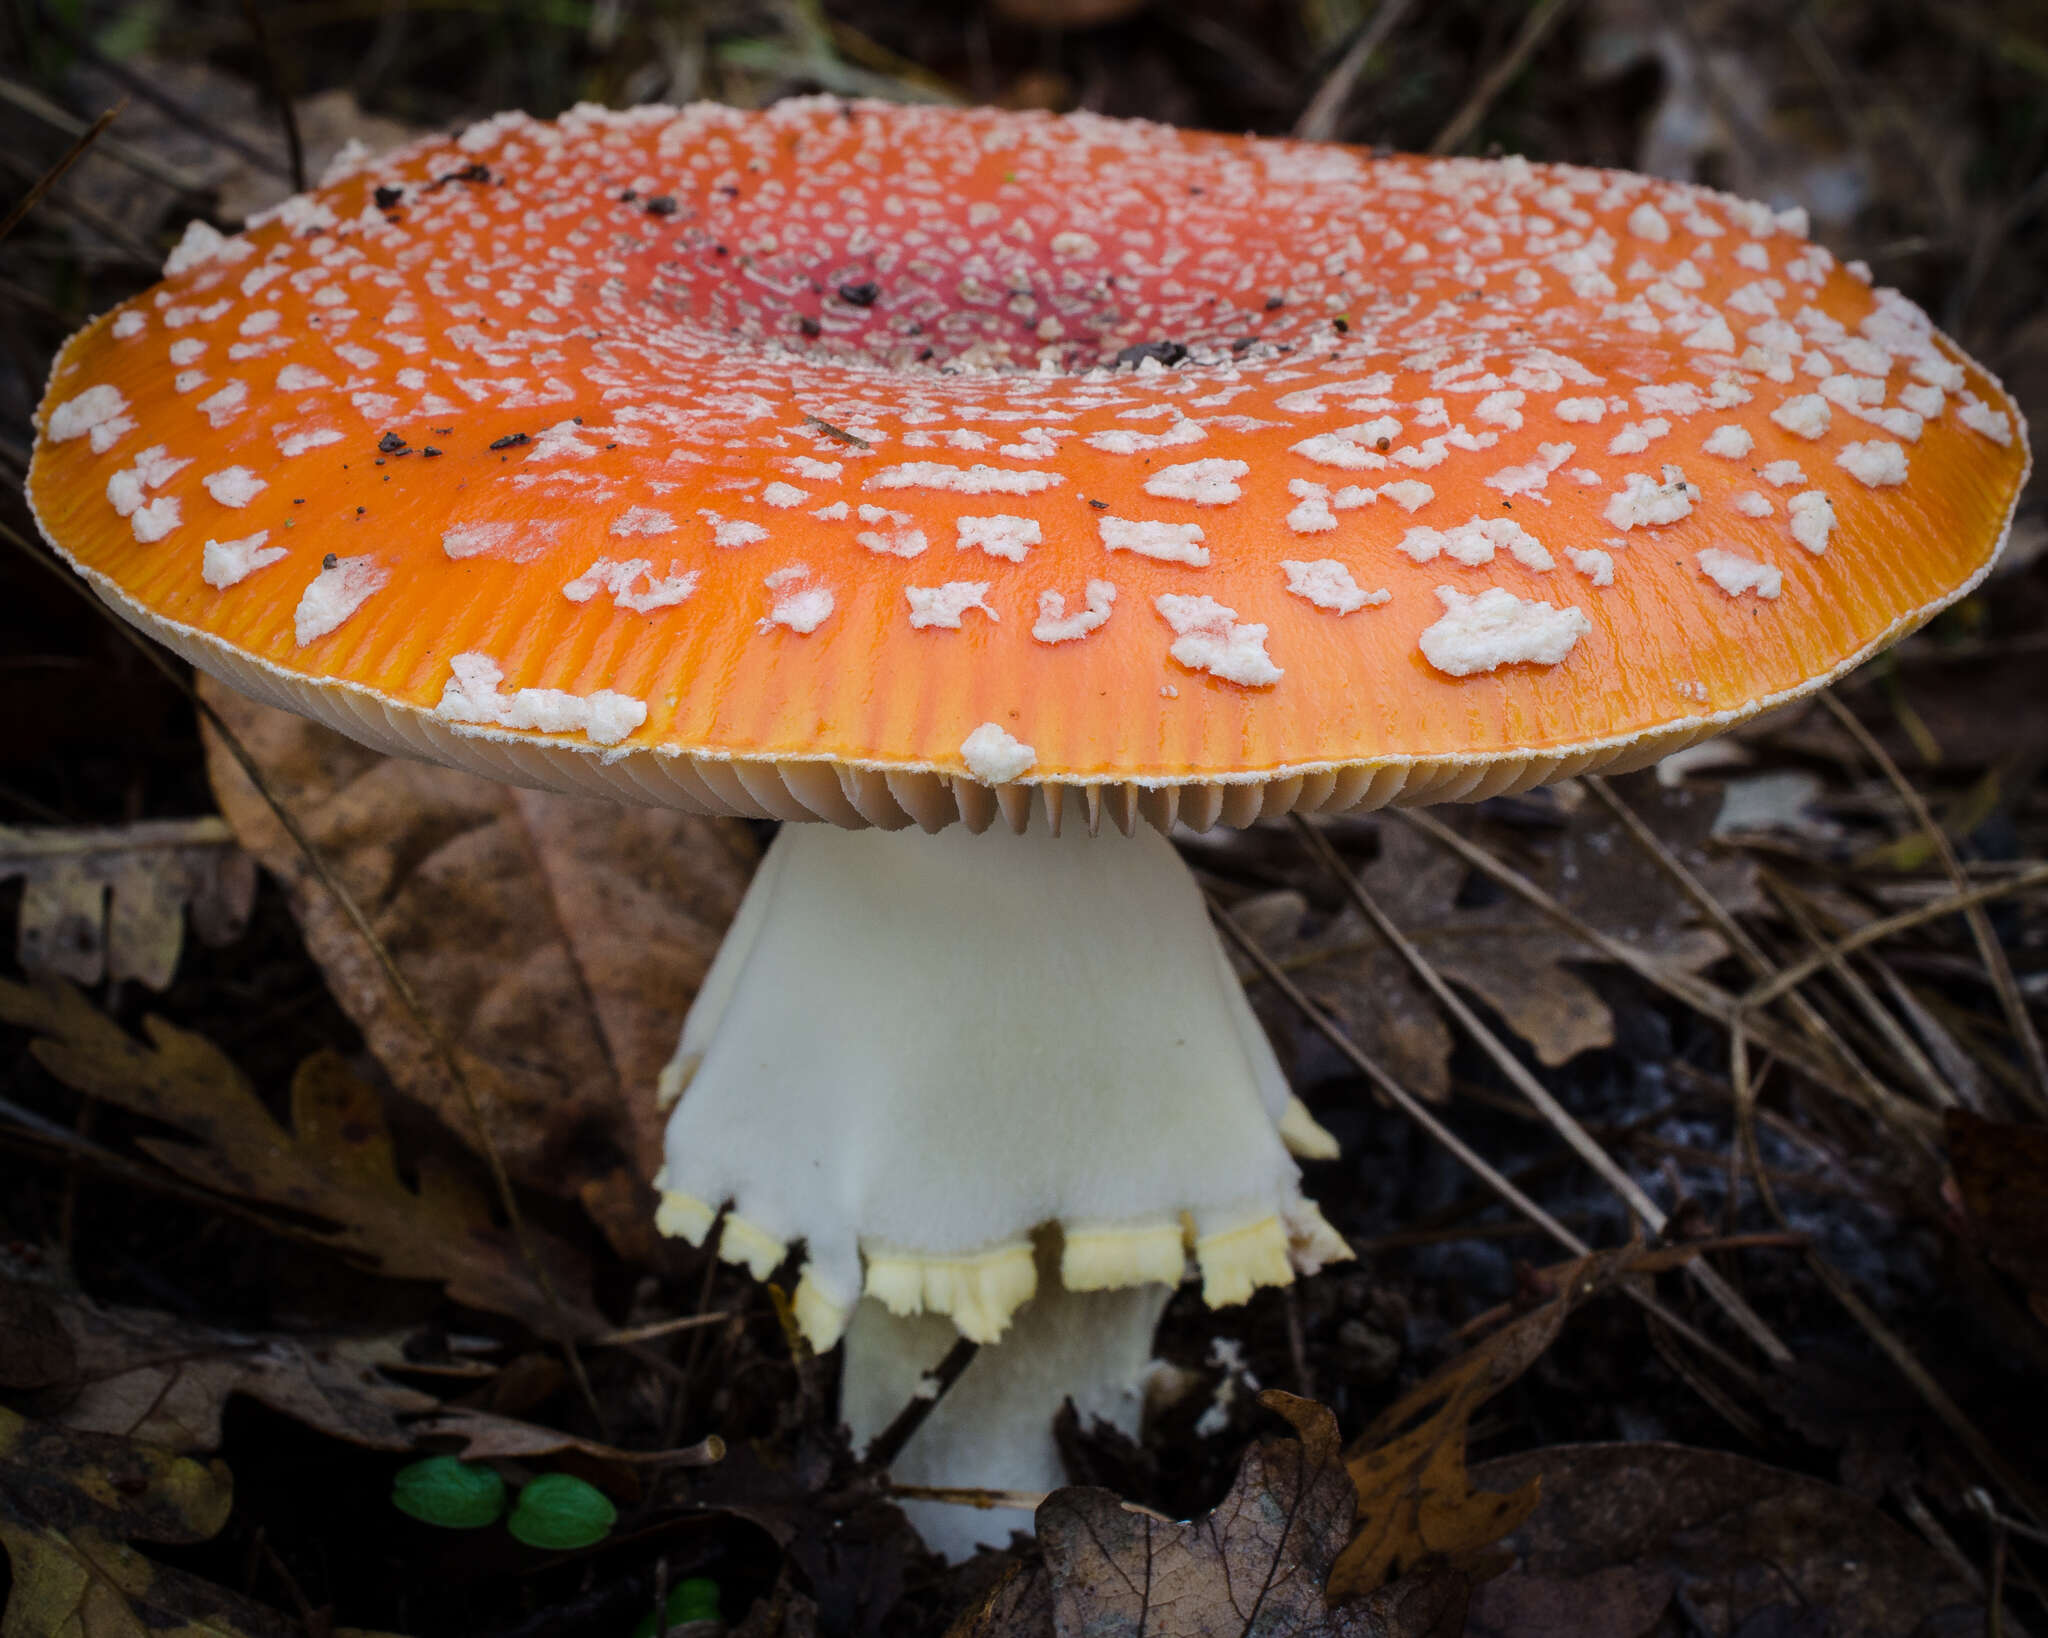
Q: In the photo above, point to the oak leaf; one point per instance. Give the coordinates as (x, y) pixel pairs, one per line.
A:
(1417, 1504)
(70, 1504)
(1253, 1568)
(1626, 1529)
(166, 1381)
(1499, 949)
(556, 942)
(111, 902)
(335, 1162)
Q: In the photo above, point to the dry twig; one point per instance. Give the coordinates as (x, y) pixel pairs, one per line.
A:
(1543, 16)
(1988, 948)
(1915, 1124)
(273, 76)
(1789, 978)
(1318, 122)
(13, 219)
(887, 1445)
(140, 160)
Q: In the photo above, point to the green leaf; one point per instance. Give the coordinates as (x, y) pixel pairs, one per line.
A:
(452, 1494)
(693, 1600)
(561, 1513)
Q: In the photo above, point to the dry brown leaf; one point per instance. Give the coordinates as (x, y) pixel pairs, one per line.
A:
(111, 902)
(84, 1584)
(335, 1162)
(1417, 1504)
(57, 1477)
(1502, 951)
(1019, 1605)
(1419, 1606)
(1361, 984)
(1430, 1604)
(69, 1504)
(327, 121)
(558, 942)
(167, 1381)
(1624, 1529)
(486, 1436)
(1253, 1567)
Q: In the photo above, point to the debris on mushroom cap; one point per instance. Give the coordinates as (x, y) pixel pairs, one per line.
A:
(868, 339)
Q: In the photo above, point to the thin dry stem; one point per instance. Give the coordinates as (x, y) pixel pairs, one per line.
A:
(1982, 932)
(140, 160)
(1318, 122)
(1798, 972)
(153, 92)
(967, 1496)
(1957, 1067)
(887, 1445)
(27, 1128)
(1561, 1119)
(1694, 991)
(1904, 1117)
(48, 180)
(90, 216)
(1419, 1112)
(1543, 16)
(636, 1334)
(273, 75)
(1903, 1046)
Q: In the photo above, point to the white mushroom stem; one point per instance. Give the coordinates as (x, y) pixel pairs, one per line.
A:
(993, 1428)
(914, 1053)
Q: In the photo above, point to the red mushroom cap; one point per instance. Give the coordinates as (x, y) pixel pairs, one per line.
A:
(875, 463)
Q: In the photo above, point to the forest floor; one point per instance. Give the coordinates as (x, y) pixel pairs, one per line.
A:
(257, 1259)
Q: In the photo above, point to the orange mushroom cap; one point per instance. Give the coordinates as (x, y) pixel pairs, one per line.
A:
(876, 463)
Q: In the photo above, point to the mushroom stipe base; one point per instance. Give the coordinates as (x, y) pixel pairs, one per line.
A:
(1093, 1347)
(979, 1080)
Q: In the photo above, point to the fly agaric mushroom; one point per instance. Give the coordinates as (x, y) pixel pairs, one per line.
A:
(882, 468)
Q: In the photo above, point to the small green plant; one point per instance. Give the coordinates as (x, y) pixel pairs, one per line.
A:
(561, 1513)
(453, 1494)
(693, 1600)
